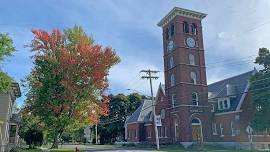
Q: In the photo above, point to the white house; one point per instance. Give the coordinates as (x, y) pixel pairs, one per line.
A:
(6, 124)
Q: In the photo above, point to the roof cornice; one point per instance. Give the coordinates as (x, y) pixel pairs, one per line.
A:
(181, 12)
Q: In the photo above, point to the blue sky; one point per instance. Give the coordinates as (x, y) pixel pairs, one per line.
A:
(233, 32)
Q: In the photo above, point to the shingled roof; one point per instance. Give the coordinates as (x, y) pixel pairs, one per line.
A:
(239, 83)
(140, 115)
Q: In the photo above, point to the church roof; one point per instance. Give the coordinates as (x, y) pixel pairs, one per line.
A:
(181, 12)
(238, 85)
(142, 112)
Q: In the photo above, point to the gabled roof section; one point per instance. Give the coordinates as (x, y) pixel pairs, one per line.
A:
(161, 89)
(140, 114)
(240, 83)
(181, 12)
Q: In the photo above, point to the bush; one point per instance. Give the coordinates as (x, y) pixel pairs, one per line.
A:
(129, 145)
(33, 137)
(15, 149)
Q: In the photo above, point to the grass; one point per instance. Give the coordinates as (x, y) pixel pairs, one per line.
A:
(179, 148)
(204, 149)
(167, 148)
(62, 150)
(30, 150)
(51, 150)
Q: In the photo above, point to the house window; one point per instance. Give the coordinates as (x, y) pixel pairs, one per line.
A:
(171, 62)
(149, 134)
(130, 134)
(214, 128)
(136, 133)
(162, 113)
(159, 135)
(165, 132)
(195, 100)
(224, 104)
(191, 59)
(221, 130)
(220, 105)
(161, 132)
(173, 100)
(172, 80)
(185, 27)
(193, 77)
(213, 108)
(172, 30)
(233, 129)
(193, 29)
(167, 34)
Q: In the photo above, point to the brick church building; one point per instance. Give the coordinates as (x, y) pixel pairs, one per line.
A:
(191, 110)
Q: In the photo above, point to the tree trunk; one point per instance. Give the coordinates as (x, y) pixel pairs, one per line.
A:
(56, 140)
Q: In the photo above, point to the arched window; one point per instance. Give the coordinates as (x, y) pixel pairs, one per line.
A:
(193, 77)
(195, 99)
(196, 121)
(167, 33)
(171, 62)
(162, 113)
(194, 29)
(185, 27)
(173, 100)
(191, 59)
(172, 80)
(172, 30)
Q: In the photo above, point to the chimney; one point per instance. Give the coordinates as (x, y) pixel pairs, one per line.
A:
(231, 89)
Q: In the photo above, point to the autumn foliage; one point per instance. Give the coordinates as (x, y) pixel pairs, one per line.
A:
(69, 78)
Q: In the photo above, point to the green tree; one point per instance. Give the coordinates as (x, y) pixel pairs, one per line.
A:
(260, 92)
(111, 127)
(29, 125)
(6, 49)
(67, 84)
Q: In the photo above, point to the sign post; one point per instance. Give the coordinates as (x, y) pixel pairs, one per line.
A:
(158, 121)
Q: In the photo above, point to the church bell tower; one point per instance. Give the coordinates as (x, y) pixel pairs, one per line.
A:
(185, 74)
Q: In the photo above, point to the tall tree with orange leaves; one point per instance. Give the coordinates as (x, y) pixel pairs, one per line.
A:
(67, 83)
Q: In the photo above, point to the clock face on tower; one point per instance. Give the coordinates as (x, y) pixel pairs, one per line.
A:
(190, 42)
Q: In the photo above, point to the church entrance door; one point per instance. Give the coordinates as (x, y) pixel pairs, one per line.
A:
(197, 130)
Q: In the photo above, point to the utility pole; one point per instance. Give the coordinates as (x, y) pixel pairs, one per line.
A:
(150, 77)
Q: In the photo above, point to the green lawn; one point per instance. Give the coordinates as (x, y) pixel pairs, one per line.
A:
(30, 150)
(168, 148)
(51, 150)
(62, 150)
(204, 149)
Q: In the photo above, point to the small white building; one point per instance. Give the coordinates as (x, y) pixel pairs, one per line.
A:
(6, 123)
